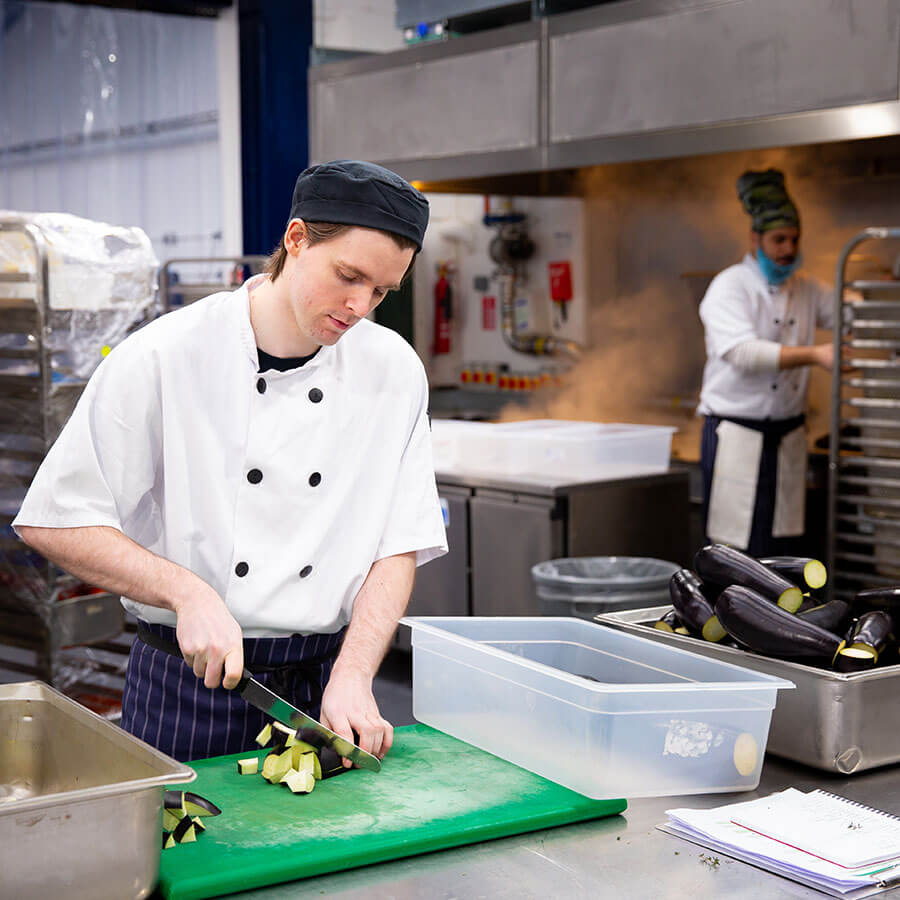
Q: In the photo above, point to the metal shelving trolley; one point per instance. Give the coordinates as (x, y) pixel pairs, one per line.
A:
(864, 456)
(182, 281)
(70, 289)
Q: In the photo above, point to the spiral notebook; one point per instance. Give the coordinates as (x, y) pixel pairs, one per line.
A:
(833, 828)
(818, 821)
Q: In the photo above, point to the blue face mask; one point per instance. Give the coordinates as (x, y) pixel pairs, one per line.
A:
(775, 273)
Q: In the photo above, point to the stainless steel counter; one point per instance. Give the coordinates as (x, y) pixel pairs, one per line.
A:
(621, 857)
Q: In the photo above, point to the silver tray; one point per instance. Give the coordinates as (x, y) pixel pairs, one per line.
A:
(835, 722)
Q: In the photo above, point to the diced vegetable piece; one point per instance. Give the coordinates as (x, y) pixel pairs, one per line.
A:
(195, 805)
(168, 840)
(762, 626)
(307, 763)
(174, 800)
(171, 818)
(264, 736)
(280, 763)
(801, 570)
(723, 565)
(300, 782)
(331, 763)
(685, 591)
(198, 823)
(249, 766)
(186, 832)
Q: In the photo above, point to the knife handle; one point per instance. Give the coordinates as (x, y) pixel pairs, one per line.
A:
(245, 680)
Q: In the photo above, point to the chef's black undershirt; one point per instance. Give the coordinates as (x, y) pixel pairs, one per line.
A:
(282, 363)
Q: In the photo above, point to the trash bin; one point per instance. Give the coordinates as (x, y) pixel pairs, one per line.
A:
(589, 585)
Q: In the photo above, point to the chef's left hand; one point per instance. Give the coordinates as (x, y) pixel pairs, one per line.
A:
(349, 706)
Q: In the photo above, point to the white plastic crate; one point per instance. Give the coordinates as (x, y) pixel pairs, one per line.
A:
(602, 712)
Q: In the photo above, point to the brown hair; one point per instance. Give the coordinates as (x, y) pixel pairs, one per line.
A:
(318, 233)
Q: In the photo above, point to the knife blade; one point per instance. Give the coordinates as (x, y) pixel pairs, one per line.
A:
(308, 729)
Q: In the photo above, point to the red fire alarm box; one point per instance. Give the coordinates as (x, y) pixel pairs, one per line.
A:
(560, 281)
(488, 313)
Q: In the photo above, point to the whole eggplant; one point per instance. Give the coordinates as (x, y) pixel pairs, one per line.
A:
(832, 616)
(725, 566)
(759, 624)
(868, 638)
(800, 570)
(692, 607)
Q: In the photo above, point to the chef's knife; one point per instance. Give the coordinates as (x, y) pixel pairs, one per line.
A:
(308, 729)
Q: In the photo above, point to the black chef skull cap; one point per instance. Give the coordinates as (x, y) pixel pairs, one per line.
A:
(352, 192)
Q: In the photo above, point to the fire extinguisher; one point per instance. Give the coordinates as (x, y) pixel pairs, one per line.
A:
(443, 311)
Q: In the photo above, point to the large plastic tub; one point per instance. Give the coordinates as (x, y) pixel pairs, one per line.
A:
(604, 713)
(586, 450)
(585, 586)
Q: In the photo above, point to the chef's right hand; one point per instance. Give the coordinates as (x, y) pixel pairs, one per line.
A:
(210, 639)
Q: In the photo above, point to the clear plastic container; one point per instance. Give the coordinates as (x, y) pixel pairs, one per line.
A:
(584, 450)
(602, 712)
(587, 586)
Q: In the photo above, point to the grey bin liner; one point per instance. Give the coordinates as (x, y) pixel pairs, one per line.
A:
(586, 586)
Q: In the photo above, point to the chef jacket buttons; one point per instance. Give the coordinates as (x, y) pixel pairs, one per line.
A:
(254, 476)
(778, 321)
(241, 569)
(315, 395)
(315, 479)
(774, 387)
(790, 321)
(305, 571)
(261, 385)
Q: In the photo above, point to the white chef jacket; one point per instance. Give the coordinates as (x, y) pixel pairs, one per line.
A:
(176, 426)
(740, 305)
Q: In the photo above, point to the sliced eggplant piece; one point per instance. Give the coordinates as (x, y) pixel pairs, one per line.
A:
(185, 833)
(686, 593)
(800, 570)
(195, 805)
(762, 626)
(264, 736)
(174, 800)
(300, 782)
(868, 638)
(168, 840)
(281, 763)
(724, 566)
(171, 818)
(198, 824)
(669, 622)
(249, 766)
(331, 763)
(832, 616)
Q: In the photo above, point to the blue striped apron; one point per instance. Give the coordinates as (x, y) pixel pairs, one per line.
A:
(167, 706)
(762, 543)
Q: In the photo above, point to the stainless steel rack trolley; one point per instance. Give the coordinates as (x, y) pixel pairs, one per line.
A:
(864, 454)
(182, 281)
(51, 626)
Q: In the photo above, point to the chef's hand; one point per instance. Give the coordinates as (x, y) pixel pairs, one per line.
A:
(209, 637)
(823, 354)
(348, 706)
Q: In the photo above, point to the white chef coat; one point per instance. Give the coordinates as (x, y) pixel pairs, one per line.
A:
(176, 425)
(740, 305)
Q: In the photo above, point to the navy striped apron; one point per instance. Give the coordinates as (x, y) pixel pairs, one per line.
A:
(167, 706)
(773, 430)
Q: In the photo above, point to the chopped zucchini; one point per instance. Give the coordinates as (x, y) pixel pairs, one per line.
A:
(264, 736)
(300, 782)
(249, 766)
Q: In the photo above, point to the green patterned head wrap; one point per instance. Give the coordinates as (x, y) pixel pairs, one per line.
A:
(766, 200)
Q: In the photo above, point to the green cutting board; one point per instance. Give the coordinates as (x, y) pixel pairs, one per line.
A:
(433, 792)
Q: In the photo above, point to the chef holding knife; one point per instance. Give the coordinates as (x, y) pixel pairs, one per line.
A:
(253, 474)
(760, 318)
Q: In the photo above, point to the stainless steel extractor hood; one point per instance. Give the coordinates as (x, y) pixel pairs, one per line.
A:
(638, 79)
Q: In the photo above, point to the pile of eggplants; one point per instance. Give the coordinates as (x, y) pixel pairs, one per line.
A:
(773, 606)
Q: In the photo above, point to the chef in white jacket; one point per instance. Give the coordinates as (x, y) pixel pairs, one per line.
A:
(760, 317)
(253, 475)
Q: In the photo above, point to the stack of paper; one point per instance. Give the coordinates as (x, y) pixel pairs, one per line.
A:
(817, 839)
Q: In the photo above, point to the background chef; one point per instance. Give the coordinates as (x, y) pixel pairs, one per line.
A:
(253, 474)
(760, 318)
